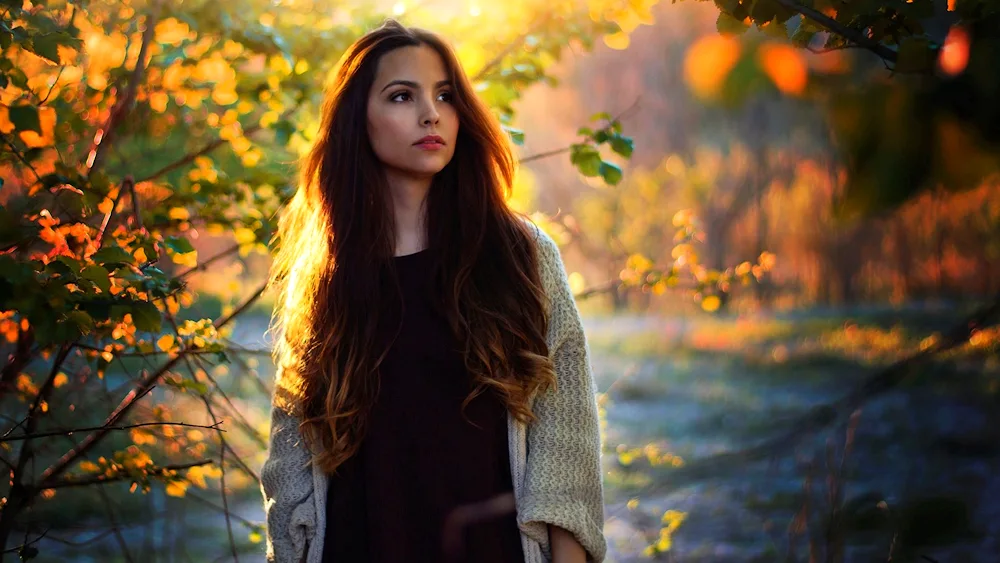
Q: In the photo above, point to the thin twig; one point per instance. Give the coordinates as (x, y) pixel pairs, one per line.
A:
(211, 146)
(122, 544)
(71, 431)
(208, 262)
(101, 479)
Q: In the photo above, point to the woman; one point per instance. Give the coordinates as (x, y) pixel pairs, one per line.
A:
(434, 399)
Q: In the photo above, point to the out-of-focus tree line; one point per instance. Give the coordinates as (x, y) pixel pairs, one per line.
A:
(790, 152)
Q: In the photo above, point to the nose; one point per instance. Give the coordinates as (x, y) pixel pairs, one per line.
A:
(430, 114)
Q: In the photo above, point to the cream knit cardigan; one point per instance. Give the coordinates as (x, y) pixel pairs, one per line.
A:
(555, 462)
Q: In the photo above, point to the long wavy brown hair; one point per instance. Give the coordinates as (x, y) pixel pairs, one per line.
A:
(333, 268)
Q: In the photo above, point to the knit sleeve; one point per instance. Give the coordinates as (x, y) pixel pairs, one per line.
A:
(563, 475)
(287, 487)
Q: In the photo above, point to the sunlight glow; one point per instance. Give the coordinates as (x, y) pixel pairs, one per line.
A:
(398, 9)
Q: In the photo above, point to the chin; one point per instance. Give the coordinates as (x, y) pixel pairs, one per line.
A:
(428, 168)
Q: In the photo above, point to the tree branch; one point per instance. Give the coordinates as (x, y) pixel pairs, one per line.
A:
(144, 386)
(100, 479)
(211, 146)
(71, 431)
(842, 30)
(122, 108)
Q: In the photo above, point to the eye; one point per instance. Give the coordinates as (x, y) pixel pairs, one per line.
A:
(446, 97)
(398, 94)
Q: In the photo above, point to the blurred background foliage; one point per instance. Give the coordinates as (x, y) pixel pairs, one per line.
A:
(762, 203)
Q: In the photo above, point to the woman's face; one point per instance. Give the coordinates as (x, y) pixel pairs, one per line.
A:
(411, 99)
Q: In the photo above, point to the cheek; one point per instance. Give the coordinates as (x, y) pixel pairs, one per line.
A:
(384, 132)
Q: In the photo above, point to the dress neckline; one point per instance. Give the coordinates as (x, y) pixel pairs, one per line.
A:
(412, 254)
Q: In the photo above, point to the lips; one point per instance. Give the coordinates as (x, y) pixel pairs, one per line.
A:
(430, 139)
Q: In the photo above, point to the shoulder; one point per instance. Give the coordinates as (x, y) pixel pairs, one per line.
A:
(549, 257)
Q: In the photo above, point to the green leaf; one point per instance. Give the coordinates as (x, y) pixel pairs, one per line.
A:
(146, 316)
(25, 118)
(611, 173)
(601, 115)
(726, 24)
(516, 136)
(47, 45)
(82, 320)
(586, 159)
(622, 145)
(763, 11)
(98, 276)
(283, 131)
(113, 255)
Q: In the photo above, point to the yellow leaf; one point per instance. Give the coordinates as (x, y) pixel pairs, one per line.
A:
(189, 259)
(166, 342)
(197, 477)
(60, 380)
(266, 120)
(785, 66)
(140, 256)
(244, 235)
(141, 437)
(177, 488)
(5, 124)
(632, 504)
(711, 303)
(618, 41)
(174, 76)
(105, 206)
(192, 99)
(255, 537)
(224, 96)
(171, 31)
(47, 120)
(250, 158)
(241, 144)
(179, 214)
(89, 466)
(708, 61)
(231, 49)
(158, 101)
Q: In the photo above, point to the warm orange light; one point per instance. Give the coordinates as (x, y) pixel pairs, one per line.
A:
(954, 56)
(708, 62)
(785, 66)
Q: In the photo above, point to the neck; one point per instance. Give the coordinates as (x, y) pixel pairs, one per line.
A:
(409, 195)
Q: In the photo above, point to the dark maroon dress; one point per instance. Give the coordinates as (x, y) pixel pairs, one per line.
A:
(420, 458)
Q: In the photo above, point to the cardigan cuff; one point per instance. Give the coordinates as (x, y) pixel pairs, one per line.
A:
(537, 511)
(302, 527)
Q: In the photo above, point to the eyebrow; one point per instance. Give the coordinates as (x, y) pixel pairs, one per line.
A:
(413, 84)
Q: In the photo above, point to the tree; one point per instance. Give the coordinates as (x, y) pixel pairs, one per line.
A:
(931, 123)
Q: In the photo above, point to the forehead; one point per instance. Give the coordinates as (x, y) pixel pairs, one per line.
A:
(420, 64)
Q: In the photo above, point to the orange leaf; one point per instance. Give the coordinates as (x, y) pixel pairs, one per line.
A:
(708, 62)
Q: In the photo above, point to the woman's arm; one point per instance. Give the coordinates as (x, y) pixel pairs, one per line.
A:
(287, 486)
(562, 482)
